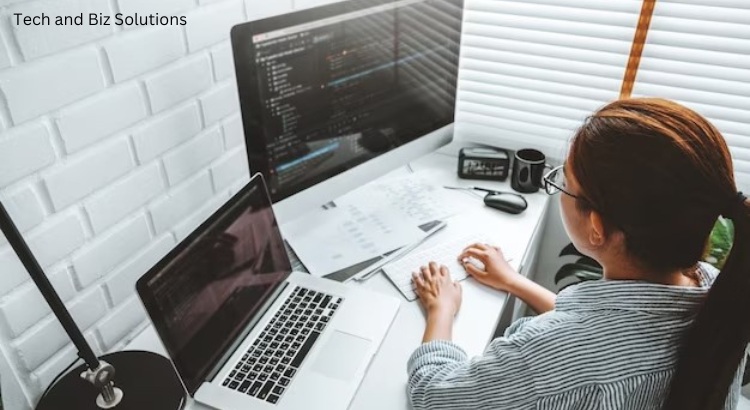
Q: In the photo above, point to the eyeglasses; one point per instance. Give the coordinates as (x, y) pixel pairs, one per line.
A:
(554, 182)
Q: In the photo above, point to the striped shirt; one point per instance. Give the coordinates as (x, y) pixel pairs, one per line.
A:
(608, 344)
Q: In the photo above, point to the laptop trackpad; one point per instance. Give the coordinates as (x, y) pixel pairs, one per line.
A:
(341, 356)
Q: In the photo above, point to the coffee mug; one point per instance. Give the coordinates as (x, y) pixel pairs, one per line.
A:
(528, 169)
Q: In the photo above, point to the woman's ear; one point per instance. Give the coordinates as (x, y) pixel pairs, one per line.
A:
(597, 233)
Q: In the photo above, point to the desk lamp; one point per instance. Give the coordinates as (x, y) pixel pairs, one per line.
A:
(143, 380)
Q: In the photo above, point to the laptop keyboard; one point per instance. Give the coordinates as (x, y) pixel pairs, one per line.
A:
(270, 364)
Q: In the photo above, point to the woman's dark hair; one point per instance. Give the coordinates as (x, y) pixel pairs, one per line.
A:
(662, 174)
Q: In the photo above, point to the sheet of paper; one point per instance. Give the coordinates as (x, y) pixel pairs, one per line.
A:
(412, 196)
(329, 240)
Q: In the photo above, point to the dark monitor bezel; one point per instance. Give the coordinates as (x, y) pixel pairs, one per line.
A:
(149, 301)
(243, 51)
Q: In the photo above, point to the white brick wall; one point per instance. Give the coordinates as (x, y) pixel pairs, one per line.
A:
(158, 6)
(233, 133)
(192, 156)
(4, 58)
(24, 150)
(220, 102)
(223, 62)
(58, 237)
(121, 283)
(230, 169)
(177, 83)
(184, 228)
(125, 197)
(209, 25)
(167, 131)
(38, 87)
(115, 327)
(26, 306)
(101, 116)
(154, 46)
(25, 208)
(114, 144)
(83, 174)
(12, 271)
(180, 203)
(262, 9)
(37, 41)
(102, 255)
(303, 4)
(43, 340)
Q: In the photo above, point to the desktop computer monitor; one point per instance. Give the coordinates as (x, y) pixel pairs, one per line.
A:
(334, 96)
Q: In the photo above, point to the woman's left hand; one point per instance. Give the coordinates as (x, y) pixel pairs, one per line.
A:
(438, 293)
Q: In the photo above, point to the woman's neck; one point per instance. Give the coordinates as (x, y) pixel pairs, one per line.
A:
(627, 270)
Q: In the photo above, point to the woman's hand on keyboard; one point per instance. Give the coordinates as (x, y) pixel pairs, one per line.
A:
(437, 291)
(441, 298)
(497, 272)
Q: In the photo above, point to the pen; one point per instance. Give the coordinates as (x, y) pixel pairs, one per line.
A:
(370, 271)
(475, 188)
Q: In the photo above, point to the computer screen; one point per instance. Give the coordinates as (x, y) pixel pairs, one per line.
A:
(203, 294)
(327, 89)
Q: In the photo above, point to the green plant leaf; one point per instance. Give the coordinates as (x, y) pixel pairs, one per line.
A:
(570, 250)
(576, 269)
(585, 260)
(584, 276)
(719, 243)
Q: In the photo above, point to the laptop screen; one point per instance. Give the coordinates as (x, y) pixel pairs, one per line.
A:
(203, 294)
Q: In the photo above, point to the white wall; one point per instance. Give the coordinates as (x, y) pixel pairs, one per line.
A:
(12, 393)
(114, 143)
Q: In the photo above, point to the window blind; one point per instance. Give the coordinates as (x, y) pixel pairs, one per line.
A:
(699, 55)
(532, 70)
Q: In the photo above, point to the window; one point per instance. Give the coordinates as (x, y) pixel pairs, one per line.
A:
(699, 56)
(532, 70)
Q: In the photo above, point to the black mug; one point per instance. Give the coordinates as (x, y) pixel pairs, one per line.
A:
(528, 170)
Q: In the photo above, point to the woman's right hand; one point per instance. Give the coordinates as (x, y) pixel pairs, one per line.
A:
(497, 271)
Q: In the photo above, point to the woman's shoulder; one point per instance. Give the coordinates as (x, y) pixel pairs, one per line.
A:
(599, 342)
(541, 326)
(566, 330)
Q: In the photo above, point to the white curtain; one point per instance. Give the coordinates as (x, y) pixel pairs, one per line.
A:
(699, 55)
(532, 70)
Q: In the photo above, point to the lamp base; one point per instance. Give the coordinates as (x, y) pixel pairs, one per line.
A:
(147, 380)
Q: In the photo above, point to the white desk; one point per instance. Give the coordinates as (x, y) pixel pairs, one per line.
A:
(385, 383)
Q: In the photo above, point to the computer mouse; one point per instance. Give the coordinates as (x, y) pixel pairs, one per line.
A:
(474, 261)
(506, 202)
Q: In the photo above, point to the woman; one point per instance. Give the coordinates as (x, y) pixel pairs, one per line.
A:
(642, 187)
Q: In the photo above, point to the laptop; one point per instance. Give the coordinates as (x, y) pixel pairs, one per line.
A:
(246, 332)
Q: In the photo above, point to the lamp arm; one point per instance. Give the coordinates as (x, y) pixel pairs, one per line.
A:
(45, 287)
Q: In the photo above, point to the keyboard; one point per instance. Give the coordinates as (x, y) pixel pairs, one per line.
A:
(268, 367)
(400, 271)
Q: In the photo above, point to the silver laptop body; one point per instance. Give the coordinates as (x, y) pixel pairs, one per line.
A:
(244, 331)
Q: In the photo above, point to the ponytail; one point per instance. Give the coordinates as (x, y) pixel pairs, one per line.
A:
(714, 346)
